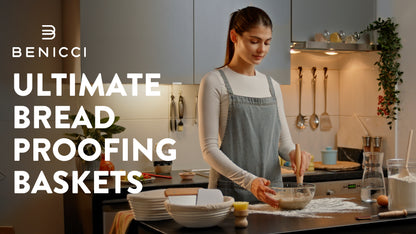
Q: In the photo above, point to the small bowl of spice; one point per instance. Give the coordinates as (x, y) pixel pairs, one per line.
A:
(188, 175)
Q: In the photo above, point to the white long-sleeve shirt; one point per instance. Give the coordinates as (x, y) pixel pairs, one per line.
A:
(213, 110)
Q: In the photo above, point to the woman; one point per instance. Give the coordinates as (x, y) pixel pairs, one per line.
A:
(244, 109)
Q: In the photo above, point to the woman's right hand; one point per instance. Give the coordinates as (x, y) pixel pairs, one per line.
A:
(259, 187)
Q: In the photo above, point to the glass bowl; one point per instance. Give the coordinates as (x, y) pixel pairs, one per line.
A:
(293, 196)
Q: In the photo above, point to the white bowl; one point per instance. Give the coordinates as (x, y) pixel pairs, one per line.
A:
(200, 216)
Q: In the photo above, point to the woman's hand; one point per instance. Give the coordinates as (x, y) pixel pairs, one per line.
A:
(259, 187)
(305, 160)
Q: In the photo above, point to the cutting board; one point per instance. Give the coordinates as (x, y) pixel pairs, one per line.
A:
(340, 166)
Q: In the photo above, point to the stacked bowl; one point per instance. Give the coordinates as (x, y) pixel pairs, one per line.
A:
(200, 216)
(148, 205)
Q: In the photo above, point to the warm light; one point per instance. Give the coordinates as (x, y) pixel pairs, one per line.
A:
(331, 53)
(293, 51)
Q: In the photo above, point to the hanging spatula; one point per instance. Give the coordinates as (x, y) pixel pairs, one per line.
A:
(325, 120)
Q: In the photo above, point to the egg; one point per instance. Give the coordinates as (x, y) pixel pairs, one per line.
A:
(383, 200)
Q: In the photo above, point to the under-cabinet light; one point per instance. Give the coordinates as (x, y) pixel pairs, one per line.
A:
(331, 53)
(293, 51)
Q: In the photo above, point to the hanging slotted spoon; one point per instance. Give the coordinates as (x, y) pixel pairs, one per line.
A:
(325, 120)
(300, 119)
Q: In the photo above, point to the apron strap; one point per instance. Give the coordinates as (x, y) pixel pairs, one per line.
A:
(227, 84)
(230, 91)
(269, 80)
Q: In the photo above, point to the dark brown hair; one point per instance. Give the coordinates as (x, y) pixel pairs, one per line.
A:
(241, 21)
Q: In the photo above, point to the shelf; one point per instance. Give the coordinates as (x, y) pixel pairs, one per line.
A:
(316, 46)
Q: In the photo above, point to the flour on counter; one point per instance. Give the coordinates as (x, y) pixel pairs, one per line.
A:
(315, 207)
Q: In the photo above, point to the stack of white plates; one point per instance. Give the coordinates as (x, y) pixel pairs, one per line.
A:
(148, 205)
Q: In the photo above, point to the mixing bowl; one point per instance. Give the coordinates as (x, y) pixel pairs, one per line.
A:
(293, 196)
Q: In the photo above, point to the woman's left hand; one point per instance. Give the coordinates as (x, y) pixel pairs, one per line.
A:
(305, 160)
(260, 188)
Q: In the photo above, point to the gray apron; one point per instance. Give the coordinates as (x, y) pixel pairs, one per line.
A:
(251, 140)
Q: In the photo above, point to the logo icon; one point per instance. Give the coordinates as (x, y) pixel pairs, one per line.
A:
(48, 32)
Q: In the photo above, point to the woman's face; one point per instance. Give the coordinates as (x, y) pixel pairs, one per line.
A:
(253, 45)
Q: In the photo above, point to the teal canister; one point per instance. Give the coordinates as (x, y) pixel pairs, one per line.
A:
(329, 156)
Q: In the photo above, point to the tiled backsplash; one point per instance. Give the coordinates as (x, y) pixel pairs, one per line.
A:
(311, 140)
(148, 117)
(352, 96)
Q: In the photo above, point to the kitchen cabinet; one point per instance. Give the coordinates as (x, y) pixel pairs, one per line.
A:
(211, 26)
(138, 36)
(310, 17)
(182, 39)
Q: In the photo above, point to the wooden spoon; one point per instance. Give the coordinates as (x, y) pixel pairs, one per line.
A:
(298, 161)
(405, 172)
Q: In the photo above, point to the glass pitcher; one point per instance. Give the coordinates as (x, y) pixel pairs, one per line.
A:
(372, 184)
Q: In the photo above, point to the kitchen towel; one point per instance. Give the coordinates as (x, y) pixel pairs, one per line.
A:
(121, 222)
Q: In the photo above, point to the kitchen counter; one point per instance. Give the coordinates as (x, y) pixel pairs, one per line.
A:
(264, 223)
(323, 176)
(84, 212)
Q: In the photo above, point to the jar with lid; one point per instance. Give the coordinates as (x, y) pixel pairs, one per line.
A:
(402, 184)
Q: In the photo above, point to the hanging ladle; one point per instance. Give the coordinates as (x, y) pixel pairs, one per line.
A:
(314, 121)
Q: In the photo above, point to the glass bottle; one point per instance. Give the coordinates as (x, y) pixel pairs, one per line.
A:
(366, 143)
(372, 183)
(366, 147)
(377, 144)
